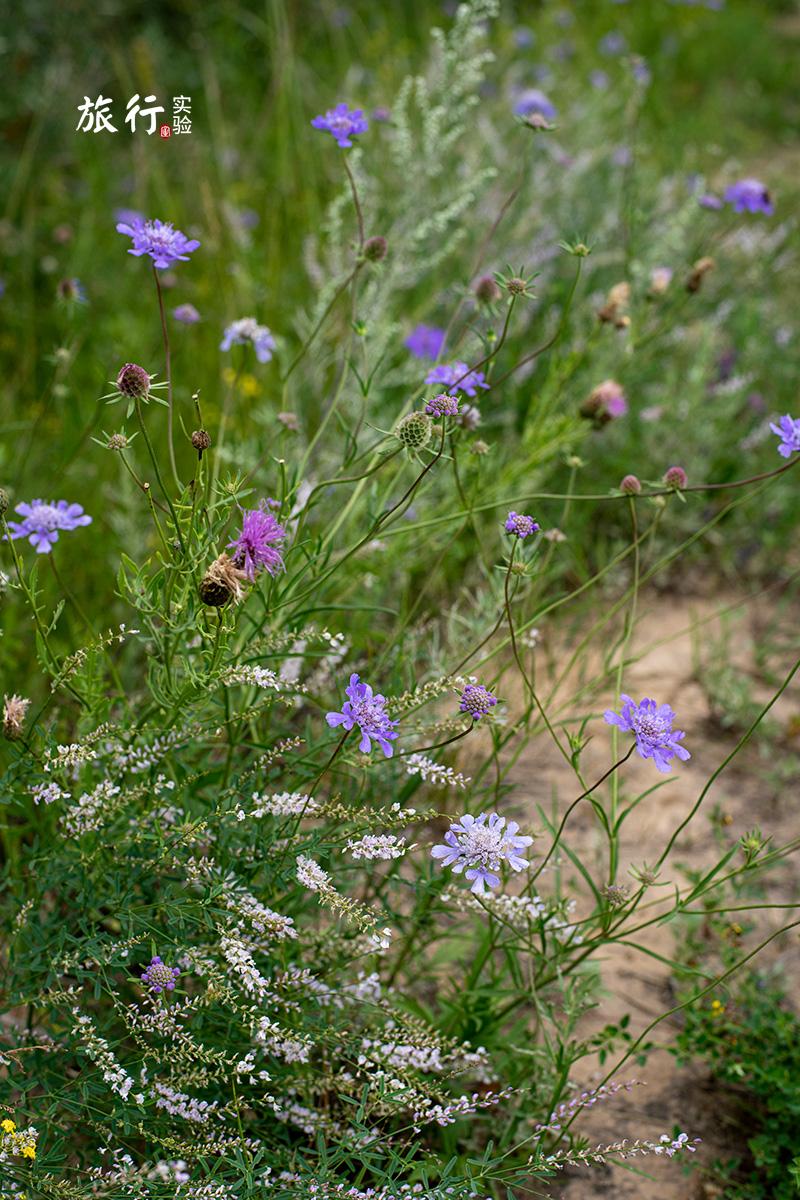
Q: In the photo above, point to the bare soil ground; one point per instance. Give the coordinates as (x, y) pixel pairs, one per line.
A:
(636, 983)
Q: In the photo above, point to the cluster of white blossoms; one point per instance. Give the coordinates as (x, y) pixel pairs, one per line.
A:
(261, 677)
(378, 845)
(280, 804)
(242, 963)
(311, 875)
(88, 813)
(179, 1104)
(99, 1051)
(435, 773)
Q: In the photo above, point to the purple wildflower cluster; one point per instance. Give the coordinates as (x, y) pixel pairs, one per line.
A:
(521, 525)
(245, 330)
(158, 976)
(257, 548)
(479, 846)
(368, 711)
(165, 244)
(43, 520)
(476, 700)
(534, 101)
(343, 122)
(651, 725)
(458, 378)
(750, 195)
(442, 406)
(425, 341)
(788, 430)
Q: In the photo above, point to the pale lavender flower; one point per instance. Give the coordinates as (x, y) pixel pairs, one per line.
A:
(788, 430)
(476, 700)
(187, 314)
(245, 330)
(442, 406)
(521, 525)
(651, 725)
(343, 122)
(368, 712)
(425, 341)
(479, 846)
(612, 44)
(750, 195)
(165, 244)
(710, 201)
(158, 976)
(534, 101)
(458, 377)
(257, 547)
(43, 520)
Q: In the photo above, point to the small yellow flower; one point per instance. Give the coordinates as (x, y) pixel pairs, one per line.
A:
(717, 1008)
(249, 385)
(7, 1126)
(29, 1151)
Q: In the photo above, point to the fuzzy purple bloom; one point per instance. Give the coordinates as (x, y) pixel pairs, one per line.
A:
(425, 341)
(458, 378)
(481, 845)
(368, 712)
(158, 976)
(343, 122)
(651, 725)
(521, 525)
(476, 700)
(187, 314)
(710, 201)
(533, 100)
(442, 406)
(788, 430)
(257, 546)
(245, 330)
(43, 520)
(750, 195)
(165, 244)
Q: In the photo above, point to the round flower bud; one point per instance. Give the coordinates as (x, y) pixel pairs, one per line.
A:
(413, 431)
(479, 447)
(133, 381)
(117, 441)
(487, 290)
(375, 249)
(675, 477)
(3, 501)
(630, 485)
(201, 441)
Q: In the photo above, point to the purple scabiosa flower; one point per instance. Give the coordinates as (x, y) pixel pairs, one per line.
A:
(43, 520)
(710, 201)
(479, 846)
(158, 976)
(476, 700)
(129, 215)
(458, 377)
(788, 430)
(425, 341)
(599, 80)
(381, 113)
(651, 725)
(750, 195)
(368, 712)
(612, 44)
(442, 406)
(187, 314)
(165, 244)
(343, 122)
(520, 525)
(257, 546)
(534, 101)
(606, 402)
(245, 330)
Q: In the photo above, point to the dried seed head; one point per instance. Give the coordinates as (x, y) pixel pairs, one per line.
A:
(613, 311)
(479, 447)
(133, 381)
(375, 249)
(699, 270)
(222, 582)
(516, 286)
(413, 431)
(14, 709)
(201, 441)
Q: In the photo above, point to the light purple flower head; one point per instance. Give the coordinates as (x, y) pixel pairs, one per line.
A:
(750, 195)
(159, 239)
(612, 44)
(534, 101)
(343, 122)
(710, 201)
(788, 430)
(187, 314)
(158, 976)
(425, 341)
(257, 546)
(521, 525)
(44, 519)
(651, 725)
(479, 846)
(457, 377)
(245, 330)
(442, 406)
(476, 700)
(368, 712)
